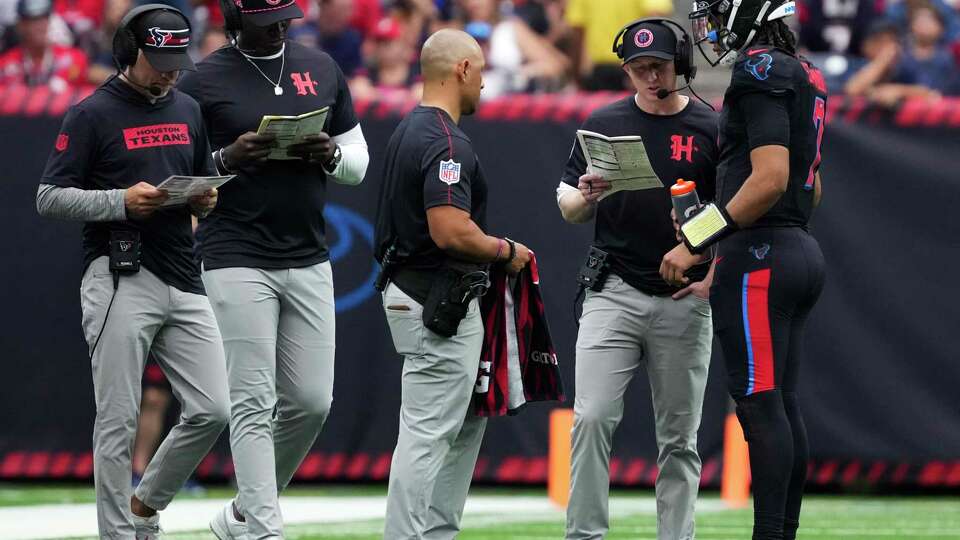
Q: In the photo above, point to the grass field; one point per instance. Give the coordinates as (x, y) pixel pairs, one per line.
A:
(824, 517)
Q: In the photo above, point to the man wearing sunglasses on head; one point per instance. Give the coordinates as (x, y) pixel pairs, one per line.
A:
(265, 257)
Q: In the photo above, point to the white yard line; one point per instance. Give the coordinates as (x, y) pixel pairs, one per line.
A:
(77, 520)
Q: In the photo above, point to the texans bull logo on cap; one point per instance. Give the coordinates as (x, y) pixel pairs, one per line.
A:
(157, 37)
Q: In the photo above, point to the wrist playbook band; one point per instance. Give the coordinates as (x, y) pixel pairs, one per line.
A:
(707, 227)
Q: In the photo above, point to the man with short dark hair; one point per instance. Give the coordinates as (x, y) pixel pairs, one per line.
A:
(113, 148)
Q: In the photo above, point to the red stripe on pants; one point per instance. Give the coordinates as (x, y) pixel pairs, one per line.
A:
(758, 312)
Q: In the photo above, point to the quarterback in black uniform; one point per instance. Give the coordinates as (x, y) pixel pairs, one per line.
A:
(770, 270)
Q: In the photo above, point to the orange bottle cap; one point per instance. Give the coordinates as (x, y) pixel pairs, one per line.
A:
(682, 187)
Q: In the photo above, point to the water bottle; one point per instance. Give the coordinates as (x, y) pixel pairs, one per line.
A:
(685, 199)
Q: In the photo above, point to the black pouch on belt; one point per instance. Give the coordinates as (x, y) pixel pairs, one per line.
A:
(125, 251)
(449, 298)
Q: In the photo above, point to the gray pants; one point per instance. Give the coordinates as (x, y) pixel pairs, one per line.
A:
(278, 333)
(179, 327)
(621, 330)
(439, 436)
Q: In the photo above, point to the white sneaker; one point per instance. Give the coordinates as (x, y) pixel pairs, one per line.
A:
(147, 528)
(226, 526)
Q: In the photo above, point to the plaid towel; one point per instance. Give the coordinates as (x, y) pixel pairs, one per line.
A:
(518, 362)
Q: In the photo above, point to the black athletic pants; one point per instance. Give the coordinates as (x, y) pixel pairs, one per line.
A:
(766, 282)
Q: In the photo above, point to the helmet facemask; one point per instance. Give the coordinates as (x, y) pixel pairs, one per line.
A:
(731, 25)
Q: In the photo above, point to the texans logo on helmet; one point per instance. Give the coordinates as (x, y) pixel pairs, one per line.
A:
(760, 67)
(166, 38)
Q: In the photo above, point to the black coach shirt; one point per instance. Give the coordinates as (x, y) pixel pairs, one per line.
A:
(270, 215)
(429, 162)
(634, 227)
(116, 138)
(774, 98)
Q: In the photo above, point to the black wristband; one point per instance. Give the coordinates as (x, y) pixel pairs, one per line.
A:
(513, 249)
(221, 163)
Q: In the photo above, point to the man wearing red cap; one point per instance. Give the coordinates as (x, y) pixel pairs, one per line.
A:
(265, 257)
(36, 61)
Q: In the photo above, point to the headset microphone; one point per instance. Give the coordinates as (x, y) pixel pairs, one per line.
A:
(663, 92)
(155, 90)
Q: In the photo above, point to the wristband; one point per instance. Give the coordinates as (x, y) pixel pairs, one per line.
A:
(331, 164)
(513, 249)
(221, 163)
(710, 225)
(500, 244)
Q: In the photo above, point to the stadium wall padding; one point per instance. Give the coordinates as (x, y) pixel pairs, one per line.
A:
(879, 378)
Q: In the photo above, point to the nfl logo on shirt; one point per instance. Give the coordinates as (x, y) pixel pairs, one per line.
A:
(449, 172)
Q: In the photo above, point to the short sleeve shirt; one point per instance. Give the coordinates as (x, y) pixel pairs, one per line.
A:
(429, 162)
(634, 227)
(271, 214)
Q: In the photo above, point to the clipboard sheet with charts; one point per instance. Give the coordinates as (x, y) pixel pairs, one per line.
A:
(292, 130)
(180, 188)
(622, 161)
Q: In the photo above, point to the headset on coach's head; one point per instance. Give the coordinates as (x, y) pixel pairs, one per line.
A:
(683, 57)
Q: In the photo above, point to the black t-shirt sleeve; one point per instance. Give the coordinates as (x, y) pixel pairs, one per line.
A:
(73, 153)
(575, 167)
(576, 163)
(344, 117)
(768, 119)
(448, 167)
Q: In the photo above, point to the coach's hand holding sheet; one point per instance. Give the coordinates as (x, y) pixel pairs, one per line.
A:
(622, 161)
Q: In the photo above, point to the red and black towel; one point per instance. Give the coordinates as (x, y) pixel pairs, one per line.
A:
(518, 362)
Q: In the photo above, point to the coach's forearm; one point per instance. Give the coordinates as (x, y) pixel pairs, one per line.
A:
(573, 207)
(81, 204)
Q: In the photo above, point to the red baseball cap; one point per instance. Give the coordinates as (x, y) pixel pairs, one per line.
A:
(387, 29)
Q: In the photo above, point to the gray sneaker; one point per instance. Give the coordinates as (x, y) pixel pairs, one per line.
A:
(147, 528)
(226, 526)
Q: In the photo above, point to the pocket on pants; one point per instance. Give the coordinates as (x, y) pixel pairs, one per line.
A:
(404, 316)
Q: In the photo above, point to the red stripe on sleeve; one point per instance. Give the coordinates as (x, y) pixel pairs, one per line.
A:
(758, 309)
(449, 152)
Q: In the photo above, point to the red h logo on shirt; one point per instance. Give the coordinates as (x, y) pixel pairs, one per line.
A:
(679, 149)
(304, 83)
(62, 141)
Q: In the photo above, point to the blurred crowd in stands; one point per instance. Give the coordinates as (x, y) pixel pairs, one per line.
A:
(885, 50)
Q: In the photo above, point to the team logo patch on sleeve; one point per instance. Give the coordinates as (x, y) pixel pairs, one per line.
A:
(449, 172)
(62, 141)
(760, 67)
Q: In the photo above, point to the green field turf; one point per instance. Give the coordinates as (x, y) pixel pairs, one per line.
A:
(823, 518)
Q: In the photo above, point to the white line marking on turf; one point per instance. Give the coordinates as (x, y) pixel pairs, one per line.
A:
(78, 520)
